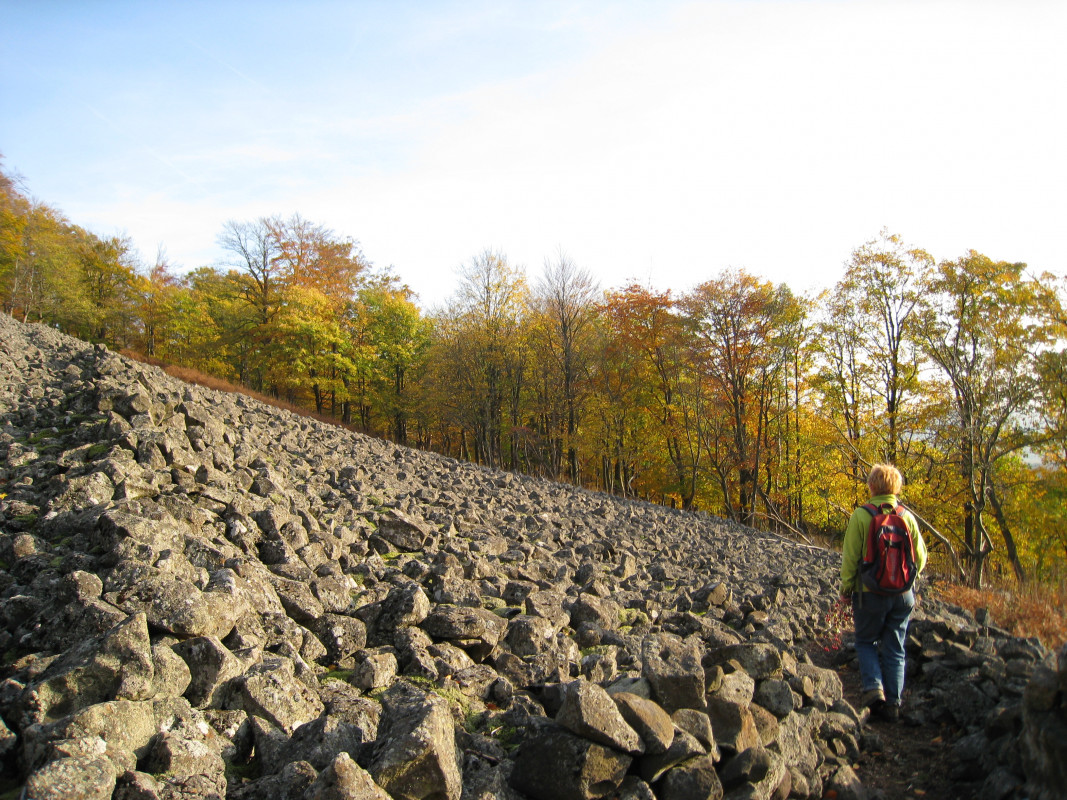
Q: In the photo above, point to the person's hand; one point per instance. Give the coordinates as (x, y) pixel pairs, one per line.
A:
(845, 598)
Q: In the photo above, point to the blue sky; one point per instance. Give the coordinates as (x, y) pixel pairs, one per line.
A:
(657, 141)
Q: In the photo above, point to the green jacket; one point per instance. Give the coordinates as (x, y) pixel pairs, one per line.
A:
(855, 544)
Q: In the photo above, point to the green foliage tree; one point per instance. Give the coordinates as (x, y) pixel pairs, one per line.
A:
(479, 358)
(984, 325)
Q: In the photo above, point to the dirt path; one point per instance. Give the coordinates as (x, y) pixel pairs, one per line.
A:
(905, 760)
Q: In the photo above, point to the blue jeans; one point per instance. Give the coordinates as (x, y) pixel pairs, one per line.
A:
(881, 626)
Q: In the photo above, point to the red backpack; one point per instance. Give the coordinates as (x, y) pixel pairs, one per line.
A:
(888, 566)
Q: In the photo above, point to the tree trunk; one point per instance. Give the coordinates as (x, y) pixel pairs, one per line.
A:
(1009, 540)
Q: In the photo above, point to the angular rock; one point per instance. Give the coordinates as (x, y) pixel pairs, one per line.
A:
(698, 725)
(529, 635)
(374, 670)
(211, 666)
(176, 606)
(694, 779)
(581, 769)
(589, 711)
(344, 779)
(648, 719)
(415, 754)
(85, 777)
(760, 660)
(733, 724)
(820, 686)
(673, 669)
(270, 690)
(341, 635)
(684, 746)
(474, 630)
(116, 665)
(761, 769)
(777, 697)
(403, 531)
(736, 687)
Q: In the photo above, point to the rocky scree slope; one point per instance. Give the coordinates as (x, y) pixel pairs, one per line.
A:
(205, 597)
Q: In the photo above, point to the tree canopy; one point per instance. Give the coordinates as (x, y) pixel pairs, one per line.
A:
(737, 396)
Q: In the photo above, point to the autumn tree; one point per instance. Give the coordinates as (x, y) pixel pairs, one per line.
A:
(311, 348)
(108, 270)
(157, 292)
(564, 310)
(399, 337)
(984, 324)
(479, 358)
(738, 323)
(271, 257)
(647, 336)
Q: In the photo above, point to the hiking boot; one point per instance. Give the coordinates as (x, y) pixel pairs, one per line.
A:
(886, 712)
(873, 698)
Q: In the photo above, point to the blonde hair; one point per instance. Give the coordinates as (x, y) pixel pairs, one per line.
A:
(885, 479)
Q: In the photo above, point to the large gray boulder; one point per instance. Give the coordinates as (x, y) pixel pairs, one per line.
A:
(271, 690)
(117, 665)
(557, 765)
(589, 711)
(415, 753)
(474, 630)
(648, 719)
(672, 667)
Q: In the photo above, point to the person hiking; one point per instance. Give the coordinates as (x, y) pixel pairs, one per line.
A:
(881, 610)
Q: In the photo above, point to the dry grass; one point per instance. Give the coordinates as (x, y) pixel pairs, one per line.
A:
(190, 375)
(1039, 611)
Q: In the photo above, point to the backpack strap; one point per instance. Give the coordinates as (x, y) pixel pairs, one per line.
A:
(871, 509)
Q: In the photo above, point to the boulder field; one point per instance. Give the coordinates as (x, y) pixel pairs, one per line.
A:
(202, 596)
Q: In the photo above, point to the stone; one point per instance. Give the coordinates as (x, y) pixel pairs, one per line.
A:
(415, 753)
(673, 669)
(694, 779)
(583, 770)
(344, 779)
(211, 666)
(176, 606)
(474, 630)
(403, 531)
(170, 674)
(845, 785)
(291, 783)
(736, 687)
(341, 635)
(589, 711)
(766, 724)
(777, 697)
(760, 660)
(820, 686)
(319, 742)
(761, 769)
(117, 665)
(683, 747)
(270, 690)
(85, 778)
(698, 725)
(529, 635)
(374, 670)
(647, 719)
(135, 785)
(733, 724)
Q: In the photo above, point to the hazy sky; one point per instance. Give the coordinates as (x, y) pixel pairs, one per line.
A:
(657, 141)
